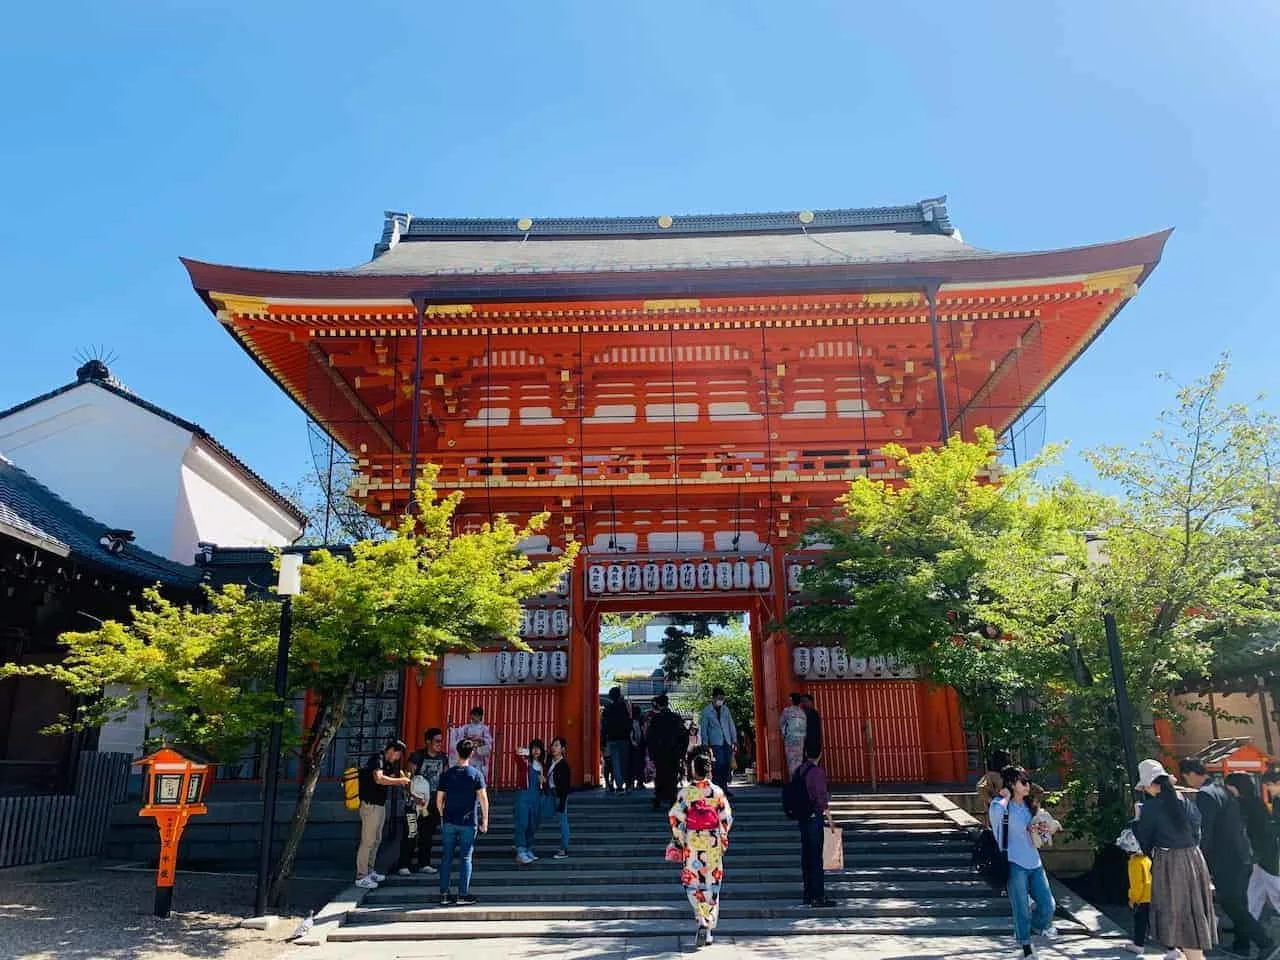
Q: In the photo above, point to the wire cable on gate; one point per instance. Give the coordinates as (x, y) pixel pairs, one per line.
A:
(862, 394)
(768, 430)
(955, 371)
(675, 434)
(488, 419)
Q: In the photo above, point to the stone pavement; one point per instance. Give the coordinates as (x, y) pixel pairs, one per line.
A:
(650, 948)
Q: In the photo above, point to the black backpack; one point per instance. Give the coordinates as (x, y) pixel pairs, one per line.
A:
(990, 858)
(795, 795)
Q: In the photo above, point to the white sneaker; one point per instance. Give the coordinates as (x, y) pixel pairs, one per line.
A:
(428, 869)
(532, 856)
(1174, 955)
(367, 883)
(1133, 948)
(378, 877)
(403, 871)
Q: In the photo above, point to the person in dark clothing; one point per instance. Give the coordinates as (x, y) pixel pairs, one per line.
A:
(811, 836)
(812, 727)
(1167, 829)
(617, 731)
(635, 762)
(1226, 851)
(1260, 824)
(380, 773)
(428, 763)
(668, 740)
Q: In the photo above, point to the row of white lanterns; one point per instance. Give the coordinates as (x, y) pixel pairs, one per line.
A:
(542, 622)
(673, 577)
(835, 662)
(522, 666)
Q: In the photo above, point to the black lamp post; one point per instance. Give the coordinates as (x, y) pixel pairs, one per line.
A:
(289, 585)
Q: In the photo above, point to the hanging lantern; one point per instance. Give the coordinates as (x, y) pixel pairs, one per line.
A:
(793, 577)
(857, 666)
(559, 666)
(706, 576)
(688, 576)
(760, 577)
(840, 661)
(633, 578)
(526, 622)
(651, 578)
(560, 623)
(503, 666)
(822, 661)
(521, 666)
(595, 578)
(876, 666)
(741, 575)
(614, 578)
(540, 665)
(541, 623)
(802, 660)
(724, 575)
(670, 576)
(562, 587)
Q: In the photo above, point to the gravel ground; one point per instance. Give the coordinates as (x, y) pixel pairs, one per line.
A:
(92, 909)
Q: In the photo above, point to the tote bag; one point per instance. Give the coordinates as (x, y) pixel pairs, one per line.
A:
(833, 849)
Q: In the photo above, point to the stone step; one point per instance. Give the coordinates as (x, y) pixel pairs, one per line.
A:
(888, 861)
(730, 908)
(661, 888)
(809, 924)
(498, 875)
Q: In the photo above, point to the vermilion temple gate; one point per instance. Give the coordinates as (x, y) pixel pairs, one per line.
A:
(684, 395)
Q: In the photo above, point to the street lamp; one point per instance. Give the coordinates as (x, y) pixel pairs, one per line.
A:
(1097, 554)
(288, 586)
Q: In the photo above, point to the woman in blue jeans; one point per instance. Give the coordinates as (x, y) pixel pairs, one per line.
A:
(528, 811)
(555, 802)
(1011, 812)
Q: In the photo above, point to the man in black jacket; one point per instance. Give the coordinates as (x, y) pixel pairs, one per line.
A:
(668, 743)
(812, 727)
(617, 731)
(1226, 850)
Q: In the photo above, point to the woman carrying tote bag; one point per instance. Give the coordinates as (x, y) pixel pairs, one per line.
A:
(1027, 879)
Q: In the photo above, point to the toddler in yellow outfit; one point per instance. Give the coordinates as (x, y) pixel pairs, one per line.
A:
(1139, 890)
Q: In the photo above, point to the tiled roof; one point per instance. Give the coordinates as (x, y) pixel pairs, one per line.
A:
(112, 386)
(37, 515)
(919, 232)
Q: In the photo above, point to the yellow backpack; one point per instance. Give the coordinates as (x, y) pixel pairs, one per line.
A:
(351, 788)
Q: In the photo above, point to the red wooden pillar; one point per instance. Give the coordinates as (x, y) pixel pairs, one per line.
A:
(943, 756)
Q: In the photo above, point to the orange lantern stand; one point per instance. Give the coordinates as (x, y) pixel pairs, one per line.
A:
(174, 790)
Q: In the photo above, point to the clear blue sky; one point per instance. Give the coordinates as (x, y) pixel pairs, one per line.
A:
(275, 134)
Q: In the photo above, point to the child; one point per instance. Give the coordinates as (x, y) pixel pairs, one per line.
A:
(1139, 890)
(529, 800)
(556, 799)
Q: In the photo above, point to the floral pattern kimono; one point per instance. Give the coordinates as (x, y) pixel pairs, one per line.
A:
(703, 870)
(794, 725)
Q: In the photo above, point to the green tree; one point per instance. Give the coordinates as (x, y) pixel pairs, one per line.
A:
(398, 602)
(722, 659)
(679, 638)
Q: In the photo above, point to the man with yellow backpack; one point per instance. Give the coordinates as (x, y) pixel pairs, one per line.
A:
(379, 773)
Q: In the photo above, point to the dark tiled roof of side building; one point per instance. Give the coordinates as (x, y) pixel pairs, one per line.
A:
(96, 373)
(39, 516)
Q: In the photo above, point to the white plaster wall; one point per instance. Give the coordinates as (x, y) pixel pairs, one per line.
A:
(217, 505)
(106, 456)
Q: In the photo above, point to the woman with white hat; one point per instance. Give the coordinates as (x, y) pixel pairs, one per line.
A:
(1168, 830)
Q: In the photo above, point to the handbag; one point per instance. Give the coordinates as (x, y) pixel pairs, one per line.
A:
(990, 859)
(833, 849)
(673, 854)
(701, 816)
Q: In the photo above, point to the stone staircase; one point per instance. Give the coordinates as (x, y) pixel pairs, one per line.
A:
(906, 872)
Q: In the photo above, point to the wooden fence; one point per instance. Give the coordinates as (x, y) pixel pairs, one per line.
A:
(40, 829)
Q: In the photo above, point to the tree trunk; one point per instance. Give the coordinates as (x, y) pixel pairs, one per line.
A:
(314, 754)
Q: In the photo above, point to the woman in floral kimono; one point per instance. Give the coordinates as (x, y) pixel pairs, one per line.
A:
(700, 823)
(794, 725)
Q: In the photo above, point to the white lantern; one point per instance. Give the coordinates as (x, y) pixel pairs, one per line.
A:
(760, 575)
(741, 575)
(688, 576)
(562, 587)
(633, 578)
(793, 577)
(822, 661)
(802, 661)
(541, 623)
(503, 666)
(614, 578)
(651, 578)
(706, 576)
(559, 666)
(521, 666)
(595, 578)
(540, 665)
(857, 666)
(526, 622)
(840, 661)
(670, 576)
(724, 575)
(560, 623)
(876, 666)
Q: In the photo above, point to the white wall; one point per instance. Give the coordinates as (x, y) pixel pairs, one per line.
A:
(216, 504)
(106, 456)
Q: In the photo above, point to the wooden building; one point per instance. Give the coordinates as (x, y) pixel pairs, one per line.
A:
(684, 394)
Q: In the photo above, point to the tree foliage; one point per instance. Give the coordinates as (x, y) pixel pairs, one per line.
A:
(397, 602)
(722, 659)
